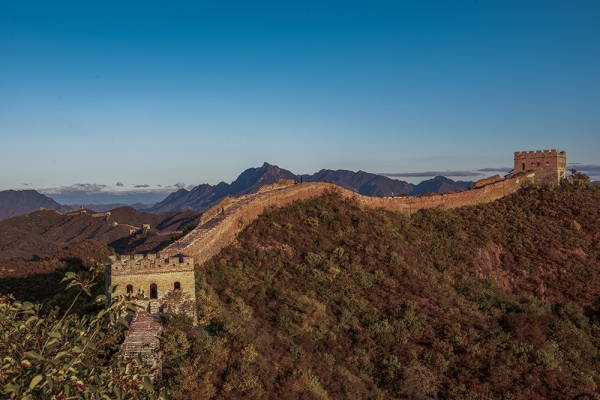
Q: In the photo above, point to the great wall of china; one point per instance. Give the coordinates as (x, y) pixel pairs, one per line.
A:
(229, 217)
(220, 225)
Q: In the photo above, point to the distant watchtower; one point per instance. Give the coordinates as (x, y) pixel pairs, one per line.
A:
(548, 166)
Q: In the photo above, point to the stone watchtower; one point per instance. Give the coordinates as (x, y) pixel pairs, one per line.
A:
(167, 282)
(548, 166)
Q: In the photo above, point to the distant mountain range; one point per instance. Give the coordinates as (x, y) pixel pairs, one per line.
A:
(202, 197)
(378, 185)
(107, 207)
(19, 202)
(29, 233)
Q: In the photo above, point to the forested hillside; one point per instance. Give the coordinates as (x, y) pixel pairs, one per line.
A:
(322, 299)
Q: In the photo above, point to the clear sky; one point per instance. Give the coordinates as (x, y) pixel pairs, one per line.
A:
(163, 92)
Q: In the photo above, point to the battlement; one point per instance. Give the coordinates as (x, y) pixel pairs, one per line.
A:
(549, 166)
(539, 154)
(138, 263)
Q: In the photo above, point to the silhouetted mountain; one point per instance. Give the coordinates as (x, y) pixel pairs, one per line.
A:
(44, 232)
(440, 184)
(19, 202)
(202, 197)
(108, 207)
(362, 182)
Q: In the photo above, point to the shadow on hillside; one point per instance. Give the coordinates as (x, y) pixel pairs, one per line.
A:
(40, 281)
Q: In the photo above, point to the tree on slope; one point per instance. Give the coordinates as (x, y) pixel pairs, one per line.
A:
(54, 356)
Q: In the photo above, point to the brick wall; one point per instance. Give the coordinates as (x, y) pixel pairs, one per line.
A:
(203, 243)
(549, 166)
(143, 271)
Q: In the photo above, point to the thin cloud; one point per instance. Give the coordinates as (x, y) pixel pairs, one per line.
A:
(120, 184)
(505, 169)
(180, 185)
(586, 167)
(76, 188)
(431, 174)
(95, 188)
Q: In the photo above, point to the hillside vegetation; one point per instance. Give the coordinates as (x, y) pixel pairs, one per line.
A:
(321, 299)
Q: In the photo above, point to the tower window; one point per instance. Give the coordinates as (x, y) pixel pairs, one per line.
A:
(532, 164)
(177, 286)
(547, 163)
(129, 288)
(153, 291)
(538, 164)
(523, 166)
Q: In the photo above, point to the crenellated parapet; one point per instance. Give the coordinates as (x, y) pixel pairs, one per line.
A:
(539, 154)
(151, 263)
(548, 166)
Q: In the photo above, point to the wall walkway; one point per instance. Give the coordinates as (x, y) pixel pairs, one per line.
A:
(224, 221)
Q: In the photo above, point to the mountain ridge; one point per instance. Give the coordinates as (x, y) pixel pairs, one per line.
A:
(19, 202)
(204, 196)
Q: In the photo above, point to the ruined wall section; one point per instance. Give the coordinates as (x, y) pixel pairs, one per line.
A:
(487, 181)
(208, 239)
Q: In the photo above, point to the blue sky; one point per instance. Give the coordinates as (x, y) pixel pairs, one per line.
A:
(162, 93)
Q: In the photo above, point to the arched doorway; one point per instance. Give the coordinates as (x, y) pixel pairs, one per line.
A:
(177, 286)
(129, 289)
(153, 291)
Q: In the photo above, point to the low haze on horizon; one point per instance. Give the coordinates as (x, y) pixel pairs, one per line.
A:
(132, 96)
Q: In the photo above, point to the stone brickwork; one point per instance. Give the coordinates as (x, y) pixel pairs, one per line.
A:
(279, 184)
(168, 285)
(139, 273)
(143, 337)
(487, 181)
(549, 166)
(211, 236)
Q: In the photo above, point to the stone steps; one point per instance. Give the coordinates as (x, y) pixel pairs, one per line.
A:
(211, 224)
(143, 338)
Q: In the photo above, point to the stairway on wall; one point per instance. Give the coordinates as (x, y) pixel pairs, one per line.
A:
(143, 338)
(204, 229)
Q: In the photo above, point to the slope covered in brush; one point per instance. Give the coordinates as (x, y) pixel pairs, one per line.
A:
(322, 299)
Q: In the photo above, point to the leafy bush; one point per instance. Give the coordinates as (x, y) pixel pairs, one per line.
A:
(61, 355)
